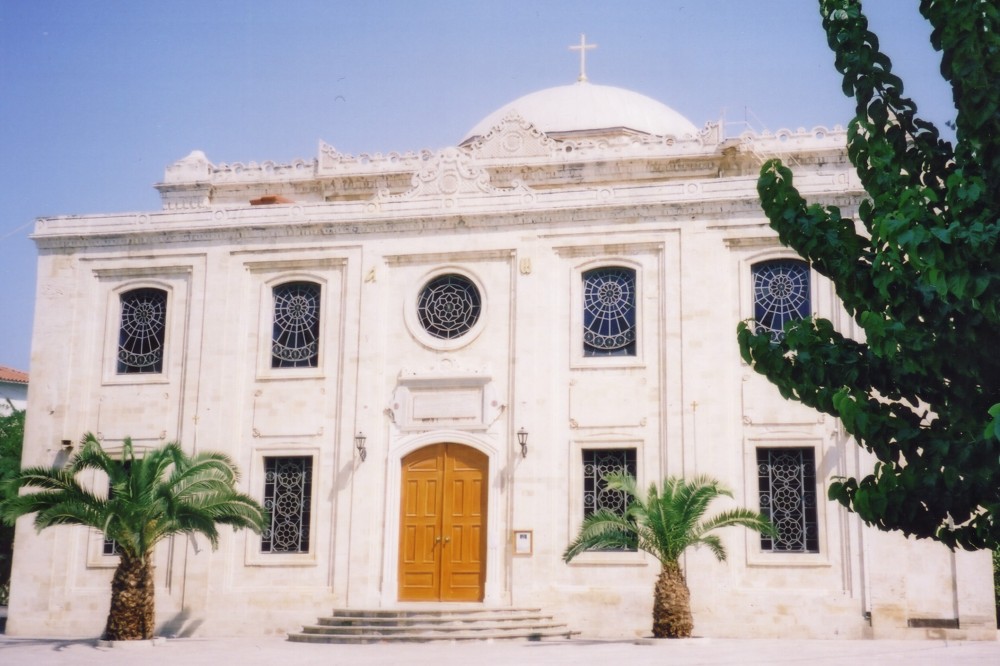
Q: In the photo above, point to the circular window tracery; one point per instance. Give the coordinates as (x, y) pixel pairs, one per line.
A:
(449, 306)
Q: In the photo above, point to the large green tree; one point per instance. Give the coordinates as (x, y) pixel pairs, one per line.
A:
(664, 523)
(150, 496)
(919, 272)
(11, 437)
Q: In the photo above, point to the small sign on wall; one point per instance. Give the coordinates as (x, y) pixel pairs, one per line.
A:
(523, 542)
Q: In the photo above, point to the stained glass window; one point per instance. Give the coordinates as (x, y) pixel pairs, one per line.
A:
(449, 306)
(287, 498)
(780, 294)
(597, 465)
(295, 336)
(609, 312)
(142, 330)
(787, 483)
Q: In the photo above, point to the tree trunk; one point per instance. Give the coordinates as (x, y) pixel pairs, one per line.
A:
(672, 604)
(131, 616)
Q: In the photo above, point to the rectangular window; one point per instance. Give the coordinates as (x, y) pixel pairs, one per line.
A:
(597, 465)
(786, 480)
(287, 499)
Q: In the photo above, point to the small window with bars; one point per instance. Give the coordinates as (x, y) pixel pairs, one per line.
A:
(598, 464)
(786, 480)
(288, 501)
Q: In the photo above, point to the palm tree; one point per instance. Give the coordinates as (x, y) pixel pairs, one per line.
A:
(151, 496)
(664, 524)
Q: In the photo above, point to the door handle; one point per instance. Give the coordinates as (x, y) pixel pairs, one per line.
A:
(447, 539)
(437, 539)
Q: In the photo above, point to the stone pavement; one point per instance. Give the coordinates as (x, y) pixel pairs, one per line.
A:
(705, 651)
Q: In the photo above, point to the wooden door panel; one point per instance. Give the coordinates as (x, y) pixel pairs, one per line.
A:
(442, 524)
(419, 568)
(463, 575)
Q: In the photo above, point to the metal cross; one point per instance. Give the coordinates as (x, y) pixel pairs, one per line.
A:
(583, 47)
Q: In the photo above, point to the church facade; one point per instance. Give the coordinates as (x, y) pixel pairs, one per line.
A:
(426, 364)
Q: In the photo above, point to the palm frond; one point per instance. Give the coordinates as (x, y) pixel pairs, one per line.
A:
(602, 530)
(666, 521)
(152, 494)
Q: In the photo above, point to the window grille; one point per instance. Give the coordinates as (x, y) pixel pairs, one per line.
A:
(142, 330)
(295, 336)
(449, 306)
(787, 485)
(287, 499)
(597, 465)
(609, 312)
(780, 294)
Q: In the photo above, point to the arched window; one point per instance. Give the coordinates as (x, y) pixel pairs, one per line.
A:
(780, 294)
(142, 331)
(449, 306)
(295, 335)
(609, 312)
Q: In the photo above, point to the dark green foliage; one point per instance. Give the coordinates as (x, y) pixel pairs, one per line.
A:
(919, 272)
(11, 437)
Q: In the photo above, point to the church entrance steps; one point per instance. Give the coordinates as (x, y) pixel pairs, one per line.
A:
(425, 625)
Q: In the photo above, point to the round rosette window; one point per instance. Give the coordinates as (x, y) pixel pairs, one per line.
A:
(449, 306)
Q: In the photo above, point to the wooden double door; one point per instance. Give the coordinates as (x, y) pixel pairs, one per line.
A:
(442, 536)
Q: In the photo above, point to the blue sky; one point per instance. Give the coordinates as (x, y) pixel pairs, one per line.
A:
(96, 98)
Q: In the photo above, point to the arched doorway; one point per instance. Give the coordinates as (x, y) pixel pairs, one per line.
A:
(442, 533)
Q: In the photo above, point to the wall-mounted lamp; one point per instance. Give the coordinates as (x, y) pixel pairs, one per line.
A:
(522, 439)
(359, 444)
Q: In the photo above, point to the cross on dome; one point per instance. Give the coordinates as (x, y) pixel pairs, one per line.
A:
(583, 47)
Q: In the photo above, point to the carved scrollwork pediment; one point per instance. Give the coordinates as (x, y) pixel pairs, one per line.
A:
(451, 174)
(513, 137)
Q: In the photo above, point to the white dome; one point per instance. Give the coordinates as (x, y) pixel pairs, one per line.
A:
(584, 106)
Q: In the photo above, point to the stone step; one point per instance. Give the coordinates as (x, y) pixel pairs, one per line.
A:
(431, 624)
(385, 630)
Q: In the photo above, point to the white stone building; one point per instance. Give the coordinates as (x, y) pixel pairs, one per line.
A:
(574, 270)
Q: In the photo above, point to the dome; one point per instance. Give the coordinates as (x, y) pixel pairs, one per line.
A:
(583, 107)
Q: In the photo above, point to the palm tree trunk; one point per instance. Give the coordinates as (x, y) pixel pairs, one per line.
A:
(672, 604)
(132, 600)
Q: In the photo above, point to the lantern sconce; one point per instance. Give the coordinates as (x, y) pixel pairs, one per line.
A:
(522, 439)
(359, 444)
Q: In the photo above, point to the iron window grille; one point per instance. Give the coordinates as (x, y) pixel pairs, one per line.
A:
(787, 485)
(287, 499)
(449, 306)
(780, 295)
(295, 335)
(142, 331)
(598, 464)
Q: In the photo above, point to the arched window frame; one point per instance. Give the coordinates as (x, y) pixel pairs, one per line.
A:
(609, 313)
(770, 310)
(301, 340)
(141, 347)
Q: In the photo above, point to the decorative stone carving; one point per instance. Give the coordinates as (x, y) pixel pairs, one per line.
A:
(444, 397)
(514, 136)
